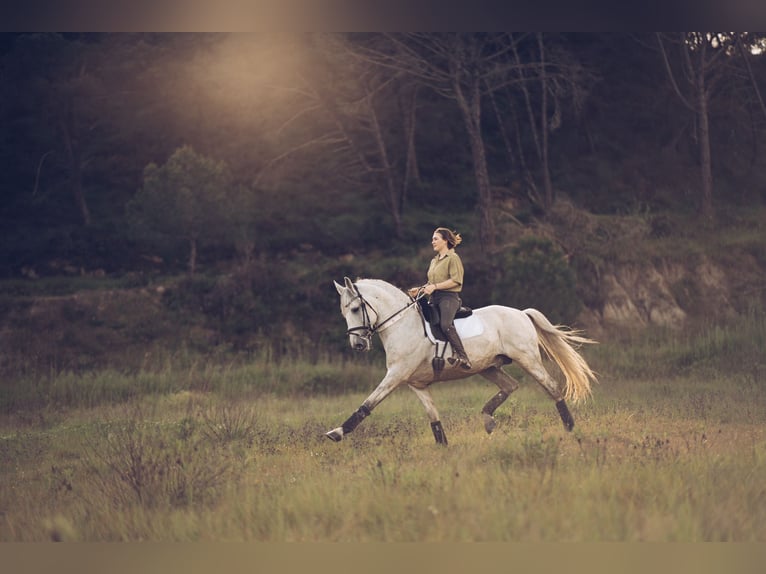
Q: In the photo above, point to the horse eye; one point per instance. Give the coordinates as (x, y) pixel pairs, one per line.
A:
(355, 309)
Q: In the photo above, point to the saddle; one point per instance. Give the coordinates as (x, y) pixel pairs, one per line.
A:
(431, 314)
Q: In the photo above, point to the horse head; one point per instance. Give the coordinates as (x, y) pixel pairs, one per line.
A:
(359, 315)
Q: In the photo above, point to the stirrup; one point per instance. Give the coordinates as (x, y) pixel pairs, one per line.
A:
(464, 364)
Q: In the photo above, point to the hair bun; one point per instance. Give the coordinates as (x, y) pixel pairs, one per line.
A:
(453, 238)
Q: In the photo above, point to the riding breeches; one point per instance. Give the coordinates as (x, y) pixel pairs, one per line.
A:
(448, 303)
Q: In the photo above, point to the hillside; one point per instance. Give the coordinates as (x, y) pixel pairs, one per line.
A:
(633, 273)
(665, 270)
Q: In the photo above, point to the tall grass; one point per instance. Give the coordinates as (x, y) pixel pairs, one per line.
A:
(671, 448)
(734, 346)
(167, 374)
(161, 473)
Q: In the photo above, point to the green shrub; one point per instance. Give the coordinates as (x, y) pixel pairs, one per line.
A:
(140, 462)
(535, 273)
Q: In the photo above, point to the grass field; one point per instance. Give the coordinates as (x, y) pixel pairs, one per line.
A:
(671, 448)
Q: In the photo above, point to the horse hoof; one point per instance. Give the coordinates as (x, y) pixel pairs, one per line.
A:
(489, 423)
(335, 435)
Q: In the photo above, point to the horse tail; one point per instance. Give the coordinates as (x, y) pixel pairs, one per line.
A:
(560, 344)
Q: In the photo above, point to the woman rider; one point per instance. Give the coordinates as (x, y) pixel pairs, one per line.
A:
(445, 282)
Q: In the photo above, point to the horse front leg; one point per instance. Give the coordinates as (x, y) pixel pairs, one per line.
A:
(507, 385)
(384, 388)
(428, 402)
(351, 423)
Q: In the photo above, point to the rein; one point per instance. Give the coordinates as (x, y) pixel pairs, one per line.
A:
(367, 329)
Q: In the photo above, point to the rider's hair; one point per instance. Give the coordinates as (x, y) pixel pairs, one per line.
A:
(452, 238)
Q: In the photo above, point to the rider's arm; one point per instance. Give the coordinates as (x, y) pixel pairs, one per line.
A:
(446, 284)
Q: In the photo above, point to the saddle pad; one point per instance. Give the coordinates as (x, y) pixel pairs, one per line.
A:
(469, 327)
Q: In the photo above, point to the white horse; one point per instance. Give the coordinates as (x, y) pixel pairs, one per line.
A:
(503, 335)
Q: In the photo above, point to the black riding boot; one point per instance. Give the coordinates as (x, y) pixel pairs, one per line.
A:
(458, 358)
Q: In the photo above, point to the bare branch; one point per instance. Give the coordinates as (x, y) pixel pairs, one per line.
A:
(297, 115)
(39, 168)
(671, 75)
(326, 139)
(753, 82)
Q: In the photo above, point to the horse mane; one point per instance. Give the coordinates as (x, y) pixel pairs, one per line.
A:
(375, 282)
(381, 284)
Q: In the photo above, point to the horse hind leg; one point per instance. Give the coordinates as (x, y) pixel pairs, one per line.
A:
(566, 416)
(538, 372)
(507, 385)
(428, 402)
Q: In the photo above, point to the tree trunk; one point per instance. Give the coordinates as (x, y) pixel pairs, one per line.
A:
(192, 255)
(471, 109)
(75, 170)
(706, 170)
(411, 170)
(547, 184)
(532, 192)
(503, 129)
(699, 104)
(394, 201)
(75, 181)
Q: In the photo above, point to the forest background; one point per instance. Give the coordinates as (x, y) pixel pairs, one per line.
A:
(200, 192)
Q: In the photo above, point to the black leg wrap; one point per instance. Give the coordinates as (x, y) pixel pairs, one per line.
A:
(566, 416)
(353, 421)
(439, 435)
(494, 402)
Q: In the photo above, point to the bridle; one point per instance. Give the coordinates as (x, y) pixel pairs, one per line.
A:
(366, 330)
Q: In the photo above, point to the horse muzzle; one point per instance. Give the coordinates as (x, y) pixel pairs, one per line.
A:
(360, 343)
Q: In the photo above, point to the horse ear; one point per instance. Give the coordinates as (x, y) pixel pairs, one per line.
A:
(349, 284)
(340, 288)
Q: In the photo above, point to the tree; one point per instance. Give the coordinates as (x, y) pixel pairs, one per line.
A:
(702, 61)
(54, 87)
(358, 118)
(547, 76)
(355, 104)
(467, 67)
(188, 198)
(460, 67)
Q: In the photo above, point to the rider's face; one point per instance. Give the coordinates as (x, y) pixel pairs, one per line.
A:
(438, 242)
